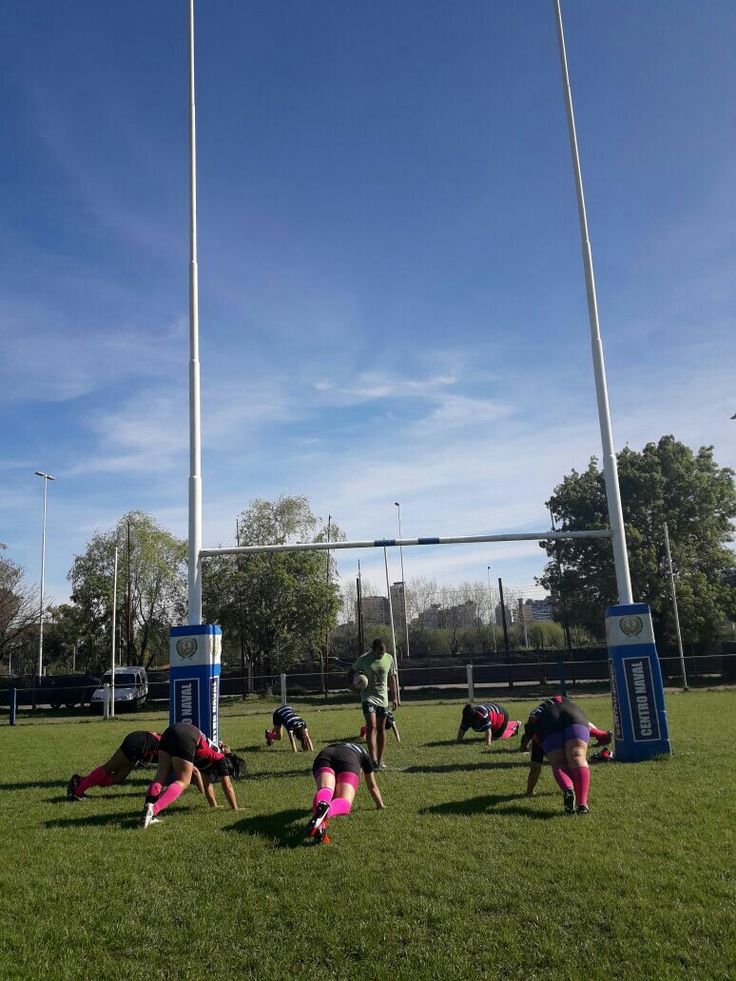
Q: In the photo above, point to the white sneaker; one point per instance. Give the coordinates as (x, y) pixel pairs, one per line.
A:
(148, 816)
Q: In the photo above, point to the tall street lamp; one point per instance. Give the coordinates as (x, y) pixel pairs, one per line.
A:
(403, 581)
(46, 478)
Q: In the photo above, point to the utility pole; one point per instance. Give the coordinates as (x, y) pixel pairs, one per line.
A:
(129, 609)
(503, 618)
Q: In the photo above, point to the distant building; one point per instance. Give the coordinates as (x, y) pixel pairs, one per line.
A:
(463, 615)
(375, 610)
(536, 611)
(397, 602)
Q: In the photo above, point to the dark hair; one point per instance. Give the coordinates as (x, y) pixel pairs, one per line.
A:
(376, 644)
(236, 767)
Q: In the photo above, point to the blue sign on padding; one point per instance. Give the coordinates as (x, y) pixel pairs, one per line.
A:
(186, 700)
(639, 713)
(640, 693)
(194, 677)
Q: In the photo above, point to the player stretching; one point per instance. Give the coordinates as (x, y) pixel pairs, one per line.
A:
(559, 729)
(378, 667)
(136, 749)
(336, 771)
(182, 749)
(491, 718)
(286, 718)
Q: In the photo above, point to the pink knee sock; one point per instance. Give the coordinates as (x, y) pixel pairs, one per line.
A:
(511, 729)
(97, 778)
(168, 797)
(581, 782)
(339, 806)
(562, 776)
(324, 793)
(154, 792)
(595, 731)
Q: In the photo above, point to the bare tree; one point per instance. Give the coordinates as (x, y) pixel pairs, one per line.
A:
(19, 612)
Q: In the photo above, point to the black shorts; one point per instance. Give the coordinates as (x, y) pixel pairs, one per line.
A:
(556, 718)
(181, 741)
(138, 746)
(378, 710)
(337, 758)
(501, 728)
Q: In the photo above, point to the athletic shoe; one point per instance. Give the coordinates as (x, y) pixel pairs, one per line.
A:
(582, 809)
(604, 740)
(148, 816)
(381, 765)
(568, 797)
(320, 836)
(318, 818)
(269, 737)
(72, 788)
(517, 723)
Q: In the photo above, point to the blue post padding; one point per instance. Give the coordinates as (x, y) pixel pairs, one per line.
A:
(194, 678)
(639, 713)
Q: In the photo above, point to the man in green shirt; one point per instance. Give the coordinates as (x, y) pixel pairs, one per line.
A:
(378, 667)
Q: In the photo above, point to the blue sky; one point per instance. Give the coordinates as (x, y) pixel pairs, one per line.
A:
(391, 294)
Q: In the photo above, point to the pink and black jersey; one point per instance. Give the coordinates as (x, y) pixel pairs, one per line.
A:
(187, 743)
(141, 746)
(481, 718)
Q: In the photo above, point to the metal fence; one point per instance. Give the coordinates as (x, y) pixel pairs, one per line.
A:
(526, 676)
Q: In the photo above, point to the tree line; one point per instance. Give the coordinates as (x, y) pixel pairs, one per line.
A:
(283, 608)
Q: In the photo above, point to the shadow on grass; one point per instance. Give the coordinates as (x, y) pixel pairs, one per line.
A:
(463, 767)
(481, 805)
(122, 819)
(285, 829)
(470, 742)
(275, 774)
(31, 784)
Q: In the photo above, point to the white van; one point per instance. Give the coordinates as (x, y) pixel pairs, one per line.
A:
(131, 688)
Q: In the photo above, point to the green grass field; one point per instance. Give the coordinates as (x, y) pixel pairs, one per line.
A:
(460, 877)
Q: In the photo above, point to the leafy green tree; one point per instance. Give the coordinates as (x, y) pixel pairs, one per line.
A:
(279, 606)
(669, 482)
(157, 591)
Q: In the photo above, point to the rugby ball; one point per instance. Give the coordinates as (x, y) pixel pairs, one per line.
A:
(360, 682)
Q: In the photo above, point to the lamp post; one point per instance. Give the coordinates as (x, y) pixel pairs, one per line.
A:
(493, 612)
(46, 478)
(403, 581)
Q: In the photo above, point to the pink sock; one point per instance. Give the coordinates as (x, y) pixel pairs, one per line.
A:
(581, 782)
(324, 793)
(168, 796)
(598, 733)
(97, 778)
(511, 729)
(154, 792)
(339, 806)
(562, 777)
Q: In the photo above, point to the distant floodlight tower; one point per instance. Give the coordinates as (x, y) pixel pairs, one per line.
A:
(195, 423)
(403, 581)
(46, 478)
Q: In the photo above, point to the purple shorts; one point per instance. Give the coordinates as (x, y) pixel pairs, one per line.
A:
(556, 740)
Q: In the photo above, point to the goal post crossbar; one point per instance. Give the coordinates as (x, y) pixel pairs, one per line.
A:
(530, 536)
